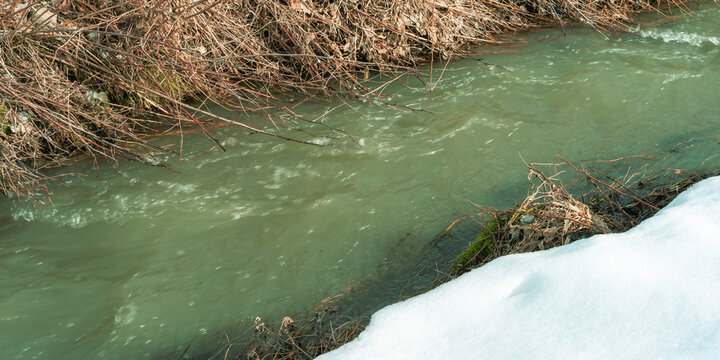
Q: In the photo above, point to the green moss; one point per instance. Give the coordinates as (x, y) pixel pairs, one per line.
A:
(171, 82)
(484, 245)
(128, 101)
(481, 248)
(166, 83)
(3, 125)
(535, 210)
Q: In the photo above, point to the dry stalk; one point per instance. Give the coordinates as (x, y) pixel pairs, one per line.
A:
(291, 339)
(550, 216)
(79, 77)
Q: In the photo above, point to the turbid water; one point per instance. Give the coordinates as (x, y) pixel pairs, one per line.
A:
(142, 261)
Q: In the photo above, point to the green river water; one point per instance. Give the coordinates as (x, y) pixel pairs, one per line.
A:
(140, 262)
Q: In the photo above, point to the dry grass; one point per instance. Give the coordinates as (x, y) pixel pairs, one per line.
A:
(549, 216)
(322, 331)
(93, 77)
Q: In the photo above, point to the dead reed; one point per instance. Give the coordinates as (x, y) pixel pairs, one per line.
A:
(549, 216)
(93, 77)
(307, 338)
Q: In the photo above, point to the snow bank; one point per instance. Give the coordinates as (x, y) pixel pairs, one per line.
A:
(650, 293)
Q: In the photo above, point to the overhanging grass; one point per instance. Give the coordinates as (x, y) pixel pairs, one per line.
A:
(95, 77)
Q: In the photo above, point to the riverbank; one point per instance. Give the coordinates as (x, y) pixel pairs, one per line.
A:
(270, 228)
(646, 293)
(550, 216)
(96, 78)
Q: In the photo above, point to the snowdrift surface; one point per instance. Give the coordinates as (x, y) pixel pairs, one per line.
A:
(650, 293)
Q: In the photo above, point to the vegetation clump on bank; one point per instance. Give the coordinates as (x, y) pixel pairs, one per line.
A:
(550, 216)
(95, 77)
(306, 338)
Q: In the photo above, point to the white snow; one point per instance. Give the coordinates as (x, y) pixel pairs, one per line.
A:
(652, 292)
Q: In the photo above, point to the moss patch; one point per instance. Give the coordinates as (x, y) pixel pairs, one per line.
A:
(150, 59)
(490, 242)
(481, 247)
(4, 125)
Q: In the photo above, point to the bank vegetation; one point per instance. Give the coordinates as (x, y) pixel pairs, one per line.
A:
(96, 77)
(564, 203)
(551, 216)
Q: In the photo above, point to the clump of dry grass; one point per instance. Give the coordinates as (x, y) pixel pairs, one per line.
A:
(301, 339)
(624, 203)
(93, 77)
(550, 216)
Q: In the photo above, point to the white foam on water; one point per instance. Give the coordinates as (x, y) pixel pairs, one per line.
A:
(680, 37)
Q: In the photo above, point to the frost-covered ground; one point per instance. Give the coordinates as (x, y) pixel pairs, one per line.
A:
(650, 293)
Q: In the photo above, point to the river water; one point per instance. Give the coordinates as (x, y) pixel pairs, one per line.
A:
(138, 262)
